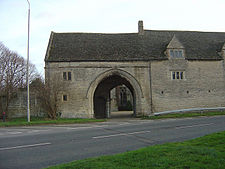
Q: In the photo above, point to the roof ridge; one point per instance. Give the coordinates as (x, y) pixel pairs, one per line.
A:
(95, 33)
(182, 31)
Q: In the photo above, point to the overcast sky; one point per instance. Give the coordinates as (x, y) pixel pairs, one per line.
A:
(101, 16)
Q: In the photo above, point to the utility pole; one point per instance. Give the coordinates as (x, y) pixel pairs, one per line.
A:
(28, 43)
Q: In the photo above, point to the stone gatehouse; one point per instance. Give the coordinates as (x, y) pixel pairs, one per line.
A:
(164, 70)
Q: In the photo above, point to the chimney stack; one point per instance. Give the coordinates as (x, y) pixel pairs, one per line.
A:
(140, 28)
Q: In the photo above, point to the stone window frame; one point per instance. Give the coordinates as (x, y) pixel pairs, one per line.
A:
(176, 53)
(178, 75)
(67, 76)
(65, 97)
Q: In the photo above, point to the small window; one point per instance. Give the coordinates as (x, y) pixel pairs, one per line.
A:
(64, 75)
(67, 76)
(171, 53)
(175, 53)
(65, 98)
(177, 75)
(181, 75)
(180, 54)
(173, 74)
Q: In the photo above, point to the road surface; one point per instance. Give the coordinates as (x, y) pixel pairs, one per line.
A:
(42, 146)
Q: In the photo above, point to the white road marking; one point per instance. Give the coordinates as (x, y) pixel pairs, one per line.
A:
(14, 132)
(77, 128)
(121, 134)
(34, 131)
(100, 126)
(24, 146)
(197, 125)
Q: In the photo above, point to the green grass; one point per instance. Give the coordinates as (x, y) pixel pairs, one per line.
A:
(183, 115)
(206, 152)
(42, 121)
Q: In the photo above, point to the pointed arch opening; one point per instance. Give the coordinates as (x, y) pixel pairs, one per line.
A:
(103, 98)
(100, 93)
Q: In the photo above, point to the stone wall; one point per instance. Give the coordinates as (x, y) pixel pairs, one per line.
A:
(87, 75)
(202, 84)
(18, 105)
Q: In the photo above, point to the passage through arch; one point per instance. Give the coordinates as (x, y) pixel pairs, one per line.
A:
(99, 91)
(102, 96)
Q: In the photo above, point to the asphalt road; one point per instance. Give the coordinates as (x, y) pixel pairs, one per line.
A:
(43, 146)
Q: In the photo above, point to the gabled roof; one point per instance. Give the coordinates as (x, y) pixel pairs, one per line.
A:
(131, 46)
(175, 44)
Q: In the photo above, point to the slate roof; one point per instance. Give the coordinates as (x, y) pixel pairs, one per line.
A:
(131, 46)
(175, 44)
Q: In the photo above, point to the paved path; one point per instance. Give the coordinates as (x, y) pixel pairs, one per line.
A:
(42, 146)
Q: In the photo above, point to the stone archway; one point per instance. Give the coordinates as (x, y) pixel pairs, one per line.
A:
(102, 95)
(99, 91)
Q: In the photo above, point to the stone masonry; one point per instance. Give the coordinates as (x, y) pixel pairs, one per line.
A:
(164, 70)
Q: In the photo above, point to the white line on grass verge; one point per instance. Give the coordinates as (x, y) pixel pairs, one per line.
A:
(25, 146)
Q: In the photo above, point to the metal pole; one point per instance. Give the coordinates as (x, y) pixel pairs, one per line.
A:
(28, 42)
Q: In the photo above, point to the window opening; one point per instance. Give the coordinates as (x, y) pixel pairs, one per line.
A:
(174, 77)
(181, 75)
(65, 98)
(67, 76)
(174, 53)
(64, 75)
(177, 75)
(171, 53)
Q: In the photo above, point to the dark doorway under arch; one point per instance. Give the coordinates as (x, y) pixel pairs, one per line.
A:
(102, 95)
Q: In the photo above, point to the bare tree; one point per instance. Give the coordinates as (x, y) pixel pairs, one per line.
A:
(3, 51)
(12, 74)
(49, 95)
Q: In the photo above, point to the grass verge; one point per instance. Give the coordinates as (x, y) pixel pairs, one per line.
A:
(42, 121)
(183, 115)
(201, 153)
